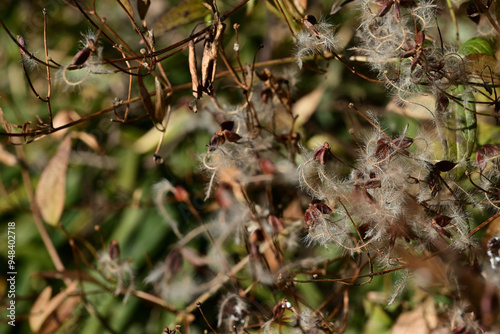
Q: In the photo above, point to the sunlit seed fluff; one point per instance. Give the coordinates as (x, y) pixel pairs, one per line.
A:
(309, 44)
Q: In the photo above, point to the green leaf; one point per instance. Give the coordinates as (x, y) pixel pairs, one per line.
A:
(51, 190)
(186, 11)
(476, 45)
(462, 126)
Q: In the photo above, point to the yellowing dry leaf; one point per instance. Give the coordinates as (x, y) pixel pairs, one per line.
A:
(47, 314)
(37, 315)
(411, 322)
(305, 107)
(7, 158)
(89, 139)
(128, 7)
(51, 189)
(61, 118)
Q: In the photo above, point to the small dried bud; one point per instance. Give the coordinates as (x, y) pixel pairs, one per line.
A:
(158, 160)
(180, 193)
(224, 196)
(265, 94)
(372, 183)
(114, 250)
(216, 141)
(276, 223)
(402, 142)
(443, 101)
(267, 166)
(280, 308)
(484, 152)
(255, 239)
(442, 220)
(21, 42)
(314, 212)
(321, 153)
(174, 262)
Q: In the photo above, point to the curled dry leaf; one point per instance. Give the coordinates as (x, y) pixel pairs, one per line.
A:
(160, 102)
(210, 52)
(89, 139)
(51, 189)
(321, 153)
(61, 118)
(48, 314)
(155, 113)
(193, 70)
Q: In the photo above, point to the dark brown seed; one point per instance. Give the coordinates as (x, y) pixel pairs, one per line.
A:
(382, 150)
(81, 57)
(231, 136)
(323, 208)
(445, 165)
(441, 220)
(311, 19)
(227, 125)
(402, 142)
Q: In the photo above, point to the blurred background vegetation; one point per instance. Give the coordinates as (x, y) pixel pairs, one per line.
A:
(111, 171)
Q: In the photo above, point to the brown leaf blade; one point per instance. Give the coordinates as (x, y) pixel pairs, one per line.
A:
(51, 190)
